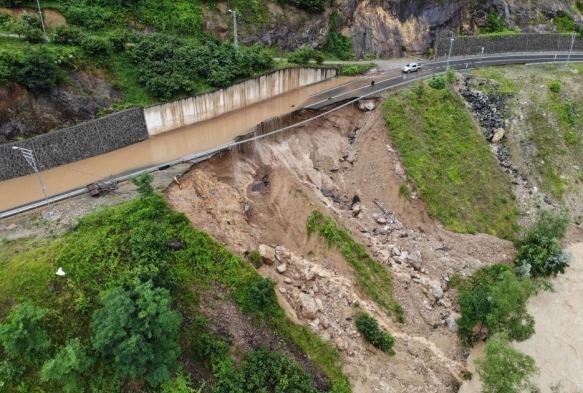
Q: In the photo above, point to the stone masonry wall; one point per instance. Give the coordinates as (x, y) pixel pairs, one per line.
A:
(75, 143)
(516, 43)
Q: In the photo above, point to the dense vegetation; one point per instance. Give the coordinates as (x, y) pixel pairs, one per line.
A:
(493, 299)
(127, 316)
(450, 163)
(373, 278)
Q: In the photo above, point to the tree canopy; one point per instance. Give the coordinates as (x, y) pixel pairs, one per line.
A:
(138, 331)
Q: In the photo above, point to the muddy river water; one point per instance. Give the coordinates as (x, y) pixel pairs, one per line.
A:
(557, 345)
(156, 150)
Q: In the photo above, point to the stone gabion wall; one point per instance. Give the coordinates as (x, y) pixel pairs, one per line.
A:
(75, 143)
(516, 43)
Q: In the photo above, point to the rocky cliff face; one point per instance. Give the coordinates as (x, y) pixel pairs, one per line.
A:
(392, 28)
(24, 114)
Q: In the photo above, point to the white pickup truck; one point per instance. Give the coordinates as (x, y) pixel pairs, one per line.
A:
(411, 67)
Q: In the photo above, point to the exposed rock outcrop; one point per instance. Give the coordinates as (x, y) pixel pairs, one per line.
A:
(24, 114)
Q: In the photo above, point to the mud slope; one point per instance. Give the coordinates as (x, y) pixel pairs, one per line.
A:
(263, 195)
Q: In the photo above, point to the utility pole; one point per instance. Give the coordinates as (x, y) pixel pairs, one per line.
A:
(451, 40)
(42, 21)
(29, 157)
(571, 49)
(235, 38)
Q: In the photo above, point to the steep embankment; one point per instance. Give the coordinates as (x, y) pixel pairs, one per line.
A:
(264, 194)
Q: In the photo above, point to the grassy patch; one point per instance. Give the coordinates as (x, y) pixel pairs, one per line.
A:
(371, 277)
(555, 124)
(503, 85)
(119, 246)
(355, 69)
(450, 163)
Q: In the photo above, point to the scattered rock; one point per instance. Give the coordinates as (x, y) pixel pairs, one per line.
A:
(281, 268)
(437, 291)
(381, 220)
(498, 134)
(415, 260)
(366, 105)
(326, 193)
(310, 275)
(267, 254)
(451, 321)
(174, 245)
(288, 280)
(282, 290)
(308, 306)
(395, 250)
(356, 209)
(257, 187)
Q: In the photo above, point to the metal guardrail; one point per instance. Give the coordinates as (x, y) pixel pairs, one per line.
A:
(207, 154)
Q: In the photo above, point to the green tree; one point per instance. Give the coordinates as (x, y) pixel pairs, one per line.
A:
(495, 299)
(138, 331)
(508, 312)
(504, 369)
(539, 252)
(39, 71)
(23, 337)
(69, 368)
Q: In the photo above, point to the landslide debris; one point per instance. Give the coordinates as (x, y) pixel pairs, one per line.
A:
(342, 165)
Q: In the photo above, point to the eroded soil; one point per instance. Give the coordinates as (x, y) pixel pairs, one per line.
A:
(264, 193)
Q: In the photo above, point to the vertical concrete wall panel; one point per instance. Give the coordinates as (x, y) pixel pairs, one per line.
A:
(176, 114)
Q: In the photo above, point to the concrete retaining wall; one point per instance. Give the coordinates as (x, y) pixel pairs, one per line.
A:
(471, 46)
(176, 114)
(75, 143)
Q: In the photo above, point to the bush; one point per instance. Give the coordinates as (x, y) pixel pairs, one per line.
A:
(255, 258)
(404, 190)
(495, 23)
(555, 86)
(304, 54)
(450, 76)
(258, 296)
(355, 69)
(24, 338)
(310, 5)
(437, 82)
(97, 46)
(70, 368)
(503, 368)
(67, 35)
(337, 44)
(90, 17)
(369, 328)
(39, 71)
(263, 370)
(539, 252)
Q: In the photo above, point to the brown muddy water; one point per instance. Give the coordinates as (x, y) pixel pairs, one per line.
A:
(156, 150)
(557, 345)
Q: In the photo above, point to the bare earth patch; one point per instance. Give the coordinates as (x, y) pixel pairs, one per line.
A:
(264, 193)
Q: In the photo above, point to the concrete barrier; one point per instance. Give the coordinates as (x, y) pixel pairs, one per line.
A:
(172, 115)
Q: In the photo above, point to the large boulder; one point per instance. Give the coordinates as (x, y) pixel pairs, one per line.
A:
(267, 254)
(308, 306)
